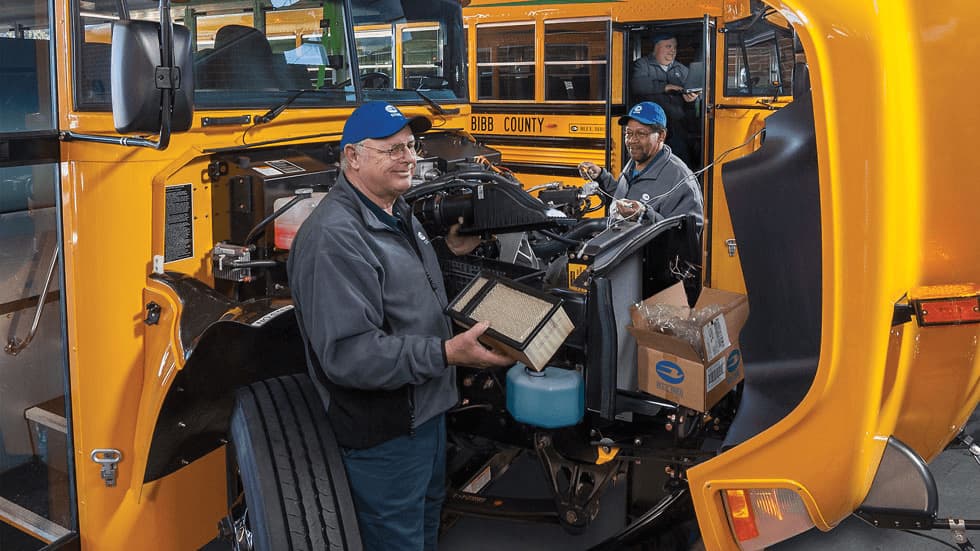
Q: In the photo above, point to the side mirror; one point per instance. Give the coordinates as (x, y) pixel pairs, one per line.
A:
(137, 93)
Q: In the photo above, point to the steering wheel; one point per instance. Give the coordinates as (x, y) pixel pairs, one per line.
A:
(375, 79)
(372, 80)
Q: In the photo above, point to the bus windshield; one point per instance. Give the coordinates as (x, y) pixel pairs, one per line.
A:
(256, 54)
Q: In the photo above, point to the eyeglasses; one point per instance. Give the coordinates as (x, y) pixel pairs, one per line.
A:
(398, 150)
(636, 134)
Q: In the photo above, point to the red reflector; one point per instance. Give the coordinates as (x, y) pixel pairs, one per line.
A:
(743, 519)
(949, 311)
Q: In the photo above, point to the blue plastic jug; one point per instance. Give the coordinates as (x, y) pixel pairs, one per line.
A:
(551, 398)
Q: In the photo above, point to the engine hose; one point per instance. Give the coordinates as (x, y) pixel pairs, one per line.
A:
(558, 244)
(254, 263)
(566, 240)
(260, 227)
(595, 208)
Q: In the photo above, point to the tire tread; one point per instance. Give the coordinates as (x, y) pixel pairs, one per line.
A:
(283, 435)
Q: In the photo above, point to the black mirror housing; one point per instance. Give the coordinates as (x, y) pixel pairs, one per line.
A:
(135, 95)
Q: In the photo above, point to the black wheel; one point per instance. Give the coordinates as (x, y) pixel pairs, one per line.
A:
(294, 482)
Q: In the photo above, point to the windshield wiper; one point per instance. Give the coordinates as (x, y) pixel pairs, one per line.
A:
(435, 107)
(277, 109)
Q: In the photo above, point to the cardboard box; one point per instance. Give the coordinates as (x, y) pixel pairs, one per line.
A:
(671, 368)
(525, 324)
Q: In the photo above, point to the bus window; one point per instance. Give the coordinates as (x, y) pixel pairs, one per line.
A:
(242, 57)
(25, 100)
(410, 46)
(246, 57)
(759, 61)
(575, 54)
(422, 64)
(505, 61)
(375, 47)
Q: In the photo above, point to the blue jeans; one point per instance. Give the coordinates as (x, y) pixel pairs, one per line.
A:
(398, 488)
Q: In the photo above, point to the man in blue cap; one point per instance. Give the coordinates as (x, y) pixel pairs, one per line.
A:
(370, 303)
(660, 78)
(654, 184)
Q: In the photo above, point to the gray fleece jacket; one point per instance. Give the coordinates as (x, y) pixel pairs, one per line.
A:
(371, 306)
(666, 186)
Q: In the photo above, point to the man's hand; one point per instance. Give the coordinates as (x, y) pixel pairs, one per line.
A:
(628, 208)
(465, 349)
(690, 97)
(589, 171)
(461, 244)
(673, 88)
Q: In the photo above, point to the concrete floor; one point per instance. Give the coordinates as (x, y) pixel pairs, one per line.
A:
(958, 478)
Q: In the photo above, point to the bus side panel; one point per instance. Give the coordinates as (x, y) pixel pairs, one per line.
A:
(104, 290)
(891, 194)
(939, 358)
(732, 127)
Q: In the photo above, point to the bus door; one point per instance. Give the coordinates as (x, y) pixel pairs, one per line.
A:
(755, 78)
(687, 122)
(37, 506)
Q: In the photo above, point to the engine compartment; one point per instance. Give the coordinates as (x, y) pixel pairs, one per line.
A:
(597, 267)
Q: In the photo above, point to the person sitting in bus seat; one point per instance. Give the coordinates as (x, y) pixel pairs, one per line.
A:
(660, 78)
(655, 184)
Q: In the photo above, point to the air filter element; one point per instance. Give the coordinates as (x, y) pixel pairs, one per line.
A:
(525, 324)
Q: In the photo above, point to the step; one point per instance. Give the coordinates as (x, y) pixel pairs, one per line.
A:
(49, 414)
(31, 523)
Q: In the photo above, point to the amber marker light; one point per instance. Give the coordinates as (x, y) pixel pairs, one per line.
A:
(946, 304)
(740, 511)
(761, 517)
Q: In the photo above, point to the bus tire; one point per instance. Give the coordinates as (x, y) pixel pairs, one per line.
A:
(290, 467)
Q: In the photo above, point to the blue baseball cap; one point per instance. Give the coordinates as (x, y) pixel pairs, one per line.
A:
(661, 36)
(379, 119)
(646, 112)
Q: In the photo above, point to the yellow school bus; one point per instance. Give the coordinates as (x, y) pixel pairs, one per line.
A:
(551, 75)
(155, 160)
(86, 372)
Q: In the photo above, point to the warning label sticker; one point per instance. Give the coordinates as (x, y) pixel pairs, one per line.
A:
(178, 239)
(266, 170)
(285, 166)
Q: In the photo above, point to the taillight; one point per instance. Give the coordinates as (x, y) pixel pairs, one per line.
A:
(760, 517)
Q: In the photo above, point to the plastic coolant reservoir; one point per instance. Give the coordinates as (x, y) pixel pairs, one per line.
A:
(550, 399)
(289, 222)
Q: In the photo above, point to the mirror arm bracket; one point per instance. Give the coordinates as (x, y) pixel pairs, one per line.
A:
(167, 78)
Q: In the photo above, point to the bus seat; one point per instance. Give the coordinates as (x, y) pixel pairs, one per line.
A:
(557, 89)
(568, 88)
(95, 85)
(242, 59)
(780, 253)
